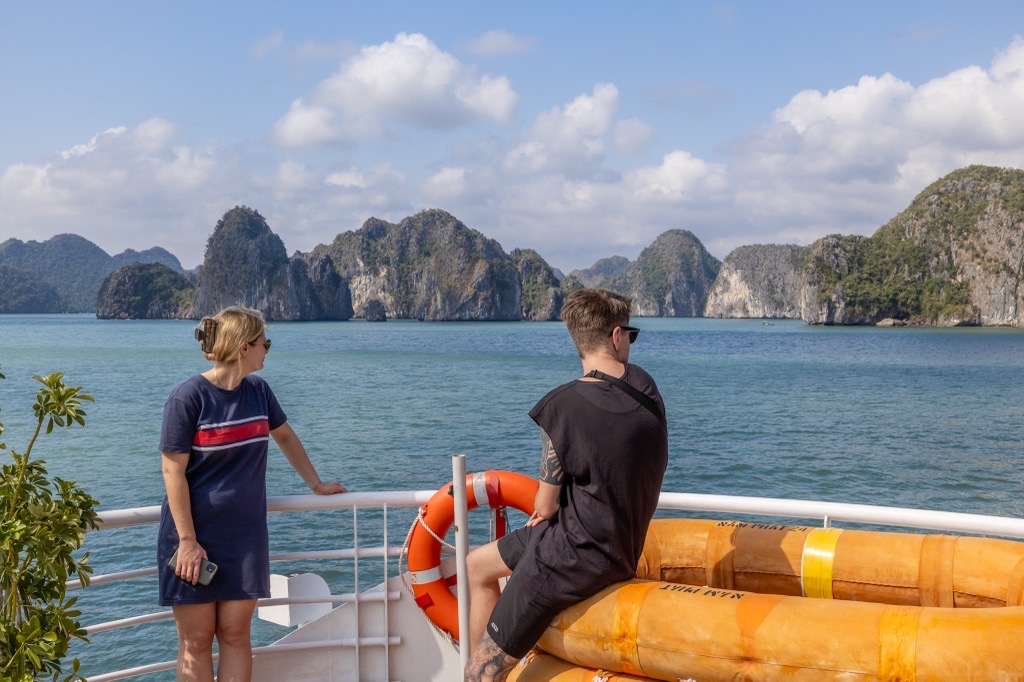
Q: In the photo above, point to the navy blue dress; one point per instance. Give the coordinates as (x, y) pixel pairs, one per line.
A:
(226, 434)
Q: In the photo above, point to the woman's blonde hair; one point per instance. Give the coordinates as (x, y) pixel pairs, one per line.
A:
(590, 314)
(222, 335)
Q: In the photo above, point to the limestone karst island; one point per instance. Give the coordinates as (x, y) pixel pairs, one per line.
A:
(953, 257)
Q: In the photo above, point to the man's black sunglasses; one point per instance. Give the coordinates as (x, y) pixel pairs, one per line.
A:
(633, 332)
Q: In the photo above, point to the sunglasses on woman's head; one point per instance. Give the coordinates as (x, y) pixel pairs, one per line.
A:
(633, 332)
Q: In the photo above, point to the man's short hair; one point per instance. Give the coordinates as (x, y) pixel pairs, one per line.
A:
(590, 314)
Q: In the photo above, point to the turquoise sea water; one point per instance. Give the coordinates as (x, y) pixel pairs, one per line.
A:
(904, 417)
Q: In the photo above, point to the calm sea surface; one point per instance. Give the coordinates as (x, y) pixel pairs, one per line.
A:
(904, 417)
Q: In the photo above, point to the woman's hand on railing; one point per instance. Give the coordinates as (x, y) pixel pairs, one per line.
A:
(329, 488)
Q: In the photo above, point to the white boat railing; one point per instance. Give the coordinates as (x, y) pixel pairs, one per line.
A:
(830, 512)
(823, 512)
(123, 518)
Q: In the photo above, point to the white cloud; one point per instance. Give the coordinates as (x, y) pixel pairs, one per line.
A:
(293, 176)
(308, 125)
(586, 116)
(309, 50)
(446, 184)
(577, 183)
(347, 178)
(24, 188)
(352, 196)
(633, 136)
(870, 101)
(267, 44)
(842, 161)
(850, 159)
(153, 136)
(570, 138)
(497, 43)
(680, 177)
(313, 50)
(972, 108)
(407, 81)
(126, 181)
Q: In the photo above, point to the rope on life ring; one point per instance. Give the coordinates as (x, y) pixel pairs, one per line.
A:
(431, 589)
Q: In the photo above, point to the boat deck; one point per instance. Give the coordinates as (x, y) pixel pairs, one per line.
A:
(379, 634)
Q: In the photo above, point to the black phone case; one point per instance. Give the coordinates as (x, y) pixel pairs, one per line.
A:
(207, 569)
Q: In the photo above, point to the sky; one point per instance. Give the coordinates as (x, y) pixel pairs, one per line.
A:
(580, 130)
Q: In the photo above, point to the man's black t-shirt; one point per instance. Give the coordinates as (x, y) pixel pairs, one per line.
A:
(613, 451)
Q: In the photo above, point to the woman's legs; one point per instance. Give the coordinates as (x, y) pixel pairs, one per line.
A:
(197, 624)
(229, 622)
(234, 621)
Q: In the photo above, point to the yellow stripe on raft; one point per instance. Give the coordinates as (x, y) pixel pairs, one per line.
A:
(819, 558)
(886, 567)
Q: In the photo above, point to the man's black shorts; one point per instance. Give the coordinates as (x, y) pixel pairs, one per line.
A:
(512, 546)
(522, 613)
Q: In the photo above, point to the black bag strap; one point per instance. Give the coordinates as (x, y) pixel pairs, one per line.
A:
(638, 395)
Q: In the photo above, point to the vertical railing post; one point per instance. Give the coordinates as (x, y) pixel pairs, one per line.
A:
(461, 550)
(387, 602)
(355, 581)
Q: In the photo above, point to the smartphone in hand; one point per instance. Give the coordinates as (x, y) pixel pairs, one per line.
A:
(207, 569)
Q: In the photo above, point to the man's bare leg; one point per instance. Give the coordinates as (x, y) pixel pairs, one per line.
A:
(488, 663)
(485, 567)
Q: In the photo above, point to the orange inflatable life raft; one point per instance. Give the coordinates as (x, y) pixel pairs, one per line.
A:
(540, 667)
(723, 602)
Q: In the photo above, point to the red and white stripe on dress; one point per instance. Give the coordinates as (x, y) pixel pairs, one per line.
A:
(231, 434)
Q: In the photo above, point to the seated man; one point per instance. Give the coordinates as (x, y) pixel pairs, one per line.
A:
(605, 449)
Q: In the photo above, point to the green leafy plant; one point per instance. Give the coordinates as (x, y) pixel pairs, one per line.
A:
(44, 522)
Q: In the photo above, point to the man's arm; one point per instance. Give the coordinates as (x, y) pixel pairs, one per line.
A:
(545, 503)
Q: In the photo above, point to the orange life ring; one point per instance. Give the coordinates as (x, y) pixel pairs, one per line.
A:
(431, 588)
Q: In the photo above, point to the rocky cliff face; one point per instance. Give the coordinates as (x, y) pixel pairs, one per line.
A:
(832, 292)
(74, 266)
(977, 216)
(542, 294)
(763, 280)
(246, 264)
(145, 291)
(25, 292)
(156, 254)
(600, 273)
(330, 292)
(954, 257)
(671, 278)
(244, 261)
(429, 266)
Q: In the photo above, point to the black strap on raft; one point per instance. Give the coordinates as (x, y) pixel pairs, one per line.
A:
(638, 395)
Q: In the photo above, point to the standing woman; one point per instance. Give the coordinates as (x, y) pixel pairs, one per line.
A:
(214, 443)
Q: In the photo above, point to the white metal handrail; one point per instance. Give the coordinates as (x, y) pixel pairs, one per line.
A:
(256, 652)
(978, 524)
(123, 518)
(138, 516)
(358, 553)
(826, 512)
(121, 623)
